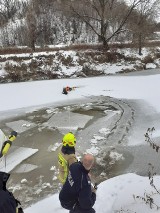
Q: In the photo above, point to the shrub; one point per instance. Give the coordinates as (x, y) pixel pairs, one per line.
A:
(67, 61)
(33, 65)
(49, 60)
(15, 50)
(148, 59)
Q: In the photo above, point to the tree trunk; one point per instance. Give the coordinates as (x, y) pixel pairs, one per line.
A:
(33, 45)
(140, 43)
(104, 42)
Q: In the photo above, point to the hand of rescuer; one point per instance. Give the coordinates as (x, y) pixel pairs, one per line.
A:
(7, 144)
(13, 136)
(94, 188)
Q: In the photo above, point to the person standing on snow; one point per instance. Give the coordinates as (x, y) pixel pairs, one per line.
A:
(77, 194)
(8, 204)
(66, 156)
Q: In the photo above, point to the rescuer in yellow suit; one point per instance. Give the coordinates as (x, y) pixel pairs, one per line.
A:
(66, 156)
(7, 144)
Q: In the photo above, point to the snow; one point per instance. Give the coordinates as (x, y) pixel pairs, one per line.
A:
(104, 131)
(41, 206)
(133, 52)
(33, 94)
(75, 67)
(24, 181)
(115, 194)
(93, 150)
(3, 138)
(116, 156)
(150, 66)
(112, 196)
(54, 147)
(156, 133)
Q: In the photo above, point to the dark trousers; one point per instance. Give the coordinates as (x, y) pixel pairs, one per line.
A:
(77, 210)
(74, 207)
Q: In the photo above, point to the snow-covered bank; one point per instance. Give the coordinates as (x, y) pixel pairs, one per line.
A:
(72, 64)
(113, 195)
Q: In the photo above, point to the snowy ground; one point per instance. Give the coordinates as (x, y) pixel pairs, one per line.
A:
(115, 194)
(65, 64)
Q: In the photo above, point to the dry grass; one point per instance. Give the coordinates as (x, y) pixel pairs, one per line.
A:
(77, 47)
(14, 50)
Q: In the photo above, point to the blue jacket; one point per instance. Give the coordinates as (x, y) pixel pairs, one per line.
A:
(76, 193)
(7, 201)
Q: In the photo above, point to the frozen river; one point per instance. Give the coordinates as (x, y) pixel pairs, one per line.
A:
(107, 127)
(111, 129)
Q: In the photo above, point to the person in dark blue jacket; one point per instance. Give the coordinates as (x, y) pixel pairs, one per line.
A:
(77, 194)
(8, 204)
(7, 201)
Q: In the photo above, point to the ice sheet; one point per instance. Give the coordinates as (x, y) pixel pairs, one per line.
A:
(68, 121)
(25, 168)
(21, 125)
(12, 159)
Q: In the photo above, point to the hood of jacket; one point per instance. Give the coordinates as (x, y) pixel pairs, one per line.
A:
(68, 150)
(3, 180)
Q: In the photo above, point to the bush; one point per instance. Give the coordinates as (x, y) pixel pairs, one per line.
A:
(67, 61)
(148, 59)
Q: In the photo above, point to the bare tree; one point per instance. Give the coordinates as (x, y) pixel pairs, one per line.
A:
(100, 14)
(142, 21)
(41, 19)
(31, 20)
(8, 8)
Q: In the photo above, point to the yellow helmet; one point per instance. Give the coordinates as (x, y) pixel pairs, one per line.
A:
(69, 139)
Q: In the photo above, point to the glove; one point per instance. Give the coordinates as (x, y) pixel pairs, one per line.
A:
(13, 136)
(95, 186)
(19, 208)
(13, 133)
